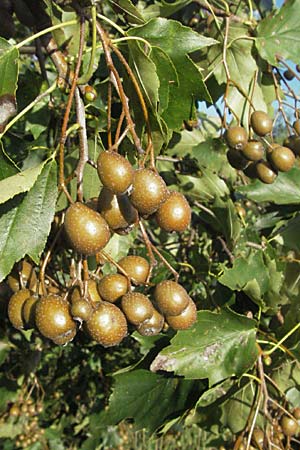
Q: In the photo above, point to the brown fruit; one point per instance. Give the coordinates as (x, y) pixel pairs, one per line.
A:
(86, 229)
(152, 326)
(171, 298)
(107, 325)
(258, 437)
(236, 137)
(65, 338)
(253, 150)
(174, 214)
(293, 142)
(261, 123)
(53, 318)
(149, 191)
(81, 309)
(250, 170)
(289, 426)
(116, 210)
(236, 159)
(92, 292)
(265, 172)
(185, 319)
(24, 275)
(14, 411)
(296, 126)
(15, 306)
(115, 171)
(288, 75)
(282, 158)
(136, 267)
(28, 311)
(112, 287)
(137, 307)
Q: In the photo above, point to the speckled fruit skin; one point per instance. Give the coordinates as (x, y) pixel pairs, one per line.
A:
(253, 150)
(282, 158)
(115, 171)
(28, 311)
(65, 338)
(93, 293)
(152, 326)
(236, 137)
(116, 209)
(136, 307)
(112, 287)
(136, 267)
(149, 191)
(185, 319)
(26, 272)
(52, 316)
(174, 214)
(107, 325)
(265, 172)
(171, 298)
(15, 306)
(81, 309)
(86, 229)
(261, 123)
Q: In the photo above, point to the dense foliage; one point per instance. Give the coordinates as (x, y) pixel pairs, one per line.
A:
(172, 87)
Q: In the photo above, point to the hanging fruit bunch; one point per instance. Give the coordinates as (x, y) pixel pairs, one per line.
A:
(106, 306)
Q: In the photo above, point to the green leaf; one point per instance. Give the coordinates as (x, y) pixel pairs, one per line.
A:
(127, 8)
(205, 187)
(21, 182)
(218, 346)
(7, 169)
(25, 221)
(177, 42)
(119, 245)
(8, 68)
(284, 191)
(277, 34)
(146, 397)
(165, 8)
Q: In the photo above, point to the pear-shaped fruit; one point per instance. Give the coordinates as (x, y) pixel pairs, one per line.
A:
(15, 306)
(52, 317)
(107, 325)
(136, 267)
(112, 287)
(115, 171)
(117, 210)
(174, 214)
(136, 307)
(149, 191)
(86, 229)
(171, 298)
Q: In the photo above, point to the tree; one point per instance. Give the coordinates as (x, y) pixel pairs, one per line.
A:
(93, 89)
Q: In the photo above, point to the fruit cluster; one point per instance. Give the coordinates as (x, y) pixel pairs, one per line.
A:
(106, 307)
(26, 412)
(257, 157)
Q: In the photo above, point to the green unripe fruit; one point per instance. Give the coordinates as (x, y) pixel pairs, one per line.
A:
(15, 306)
(174, 214)
(261, 123)
(152, 326)
(289, 426)
(149, 191)
(90, 94)
(115, 172)
(236, 137)
(282, 158)
(53, 318)
(171, 298)
(112, 287)
(136, 307)
(265, 172)
(253, 150)
(185, 319)
(116, 210)
(136, 267)
(107, 325)
(86, 229)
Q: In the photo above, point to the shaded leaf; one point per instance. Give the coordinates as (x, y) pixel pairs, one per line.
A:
(8, 81)
(146, 397)
(218, 346)
(284, 191)
(126, 7)
(25, 221)
(207, 186)
(7, 169)
(277, 34)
